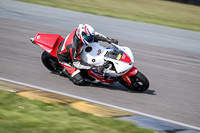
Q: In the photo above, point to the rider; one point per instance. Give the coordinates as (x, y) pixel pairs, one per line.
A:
(69, 51)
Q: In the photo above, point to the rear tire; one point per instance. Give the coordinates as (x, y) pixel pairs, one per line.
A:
(139, 83)
(51, 63)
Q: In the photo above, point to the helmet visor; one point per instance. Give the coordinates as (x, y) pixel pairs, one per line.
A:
(88, 38)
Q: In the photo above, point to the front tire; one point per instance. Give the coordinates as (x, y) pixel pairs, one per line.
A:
(51, 63)
(139, 83)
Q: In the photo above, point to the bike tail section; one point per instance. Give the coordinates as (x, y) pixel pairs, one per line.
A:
(48, 42)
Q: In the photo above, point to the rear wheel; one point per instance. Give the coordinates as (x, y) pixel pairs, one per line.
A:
(139, 83)
(51, 63)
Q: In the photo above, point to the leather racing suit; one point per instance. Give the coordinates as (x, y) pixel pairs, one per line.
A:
(69, 52)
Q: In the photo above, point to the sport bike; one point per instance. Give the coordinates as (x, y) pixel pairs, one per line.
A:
(116, 60)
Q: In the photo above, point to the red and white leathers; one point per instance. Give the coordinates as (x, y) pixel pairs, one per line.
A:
(69, 55)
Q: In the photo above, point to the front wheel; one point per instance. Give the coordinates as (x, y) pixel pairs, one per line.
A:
(51, 63)
(139, 83)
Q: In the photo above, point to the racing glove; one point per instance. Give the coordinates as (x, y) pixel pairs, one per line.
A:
(115, 41)
(100, 37)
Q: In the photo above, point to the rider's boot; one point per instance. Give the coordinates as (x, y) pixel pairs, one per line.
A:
(65, 72)
(74, 76)
(73, 73)
(77, 78)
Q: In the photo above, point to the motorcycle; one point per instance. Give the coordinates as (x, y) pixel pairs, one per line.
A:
(116, 60)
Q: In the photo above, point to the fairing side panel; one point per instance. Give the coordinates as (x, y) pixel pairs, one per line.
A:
(100, 77)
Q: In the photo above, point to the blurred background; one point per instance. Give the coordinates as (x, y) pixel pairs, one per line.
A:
(192, 2)
(159, 12)
(163, 35)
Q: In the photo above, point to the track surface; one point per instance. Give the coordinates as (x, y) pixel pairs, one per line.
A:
(174, 72)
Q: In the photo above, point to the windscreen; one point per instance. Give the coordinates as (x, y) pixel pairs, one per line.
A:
(115, 53)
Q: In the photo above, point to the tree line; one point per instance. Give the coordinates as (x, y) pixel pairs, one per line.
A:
(193, 2)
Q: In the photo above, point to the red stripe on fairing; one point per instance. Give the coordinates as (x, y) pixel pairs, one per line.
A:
(125, 58)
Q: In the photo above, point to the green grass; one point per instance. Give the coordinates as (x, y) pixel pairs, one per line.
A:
(22, 115)
(150, 11)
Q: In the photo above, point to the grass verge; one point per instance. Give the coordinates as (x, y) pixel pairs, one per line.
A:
(22, 115)
(150, 11)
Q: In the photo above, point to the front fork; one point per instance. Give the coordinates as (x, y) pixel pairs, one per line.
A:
(133, 71)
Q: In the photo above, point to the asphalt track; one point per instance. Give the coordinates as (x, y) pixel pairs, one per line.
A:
(169, 57)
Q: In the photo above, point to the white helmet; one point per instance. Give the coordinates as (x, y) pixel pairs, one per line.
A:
(85, 33)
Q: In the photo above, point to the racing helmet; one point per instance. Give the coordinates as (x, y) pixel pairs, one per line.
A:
(85, 33)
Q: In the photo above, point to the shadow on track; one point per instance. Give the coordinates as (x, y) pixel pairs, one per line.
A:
(118, 86)
(114, 86)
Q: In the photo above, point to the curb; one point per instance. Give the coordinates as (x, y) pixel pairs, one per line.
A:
(32, 92)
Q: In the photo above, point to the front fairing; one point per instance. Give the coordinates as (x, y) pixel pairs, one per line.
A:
(121, 57)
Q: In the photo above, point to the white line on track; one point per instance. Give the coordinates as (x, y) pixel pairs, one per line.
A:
(97, 102)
